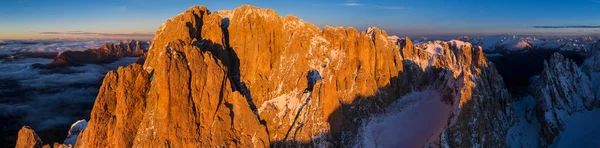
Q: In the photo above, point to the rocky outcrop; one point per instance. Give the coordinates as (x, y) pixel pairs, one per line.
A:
(250, 78)
(561, 90)
(118, 109)
(74, 132)
(471, 85)
(28, 139)
(108, 53)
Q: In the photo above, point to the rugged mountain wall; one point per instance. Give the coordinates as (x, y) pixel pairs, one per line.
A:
(250, 78)
(472, 85)
(108, 53)
(118, 109)
(561, 90)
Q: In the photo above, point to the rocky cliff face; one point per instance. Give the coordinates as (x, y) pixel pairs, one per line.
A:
(472, 86)
(250, 78)
(118, 109)
(108, 53)
(561, 90)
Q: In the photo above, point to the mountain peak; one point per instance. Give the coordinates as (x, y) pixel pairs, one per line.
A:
(251, 78)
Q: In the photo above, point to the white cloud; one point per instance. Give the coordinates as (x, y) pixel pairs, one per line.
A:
(122, 8)
(391, 7)
(354, 3)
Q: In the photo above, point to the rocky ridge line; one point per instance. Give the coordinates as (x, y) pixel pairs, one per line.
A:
(250, 78)
(108, 53)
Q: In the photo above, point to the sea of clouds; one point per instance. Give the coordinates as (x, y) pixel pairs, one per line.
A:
(51, 45)
(47, 99)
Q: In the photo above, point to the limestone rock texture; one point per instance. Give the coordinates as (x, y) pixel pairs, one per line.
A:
(118, 109)
(561, 90)
(250, 78)
(28, 139)
(108, 53)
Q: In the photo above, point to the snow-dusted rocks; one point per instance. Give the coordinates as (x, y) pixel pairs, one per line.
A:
(480, 112)
(29, 139)
(464, 79)
(501, 42)
(74, 132)
(561, 90)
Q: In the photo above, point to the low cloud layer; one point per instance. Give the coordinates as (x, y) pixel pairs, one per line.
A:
(13, 46)
(48, 100)
(134, 35)
(45, 99)
(560, 27)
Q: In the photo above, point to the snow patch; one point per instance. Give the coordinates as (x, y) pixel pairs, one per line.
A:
(459, 44)
(582, 130)
(414, 120)
(432, 47)
(526, 131)
(285, 103)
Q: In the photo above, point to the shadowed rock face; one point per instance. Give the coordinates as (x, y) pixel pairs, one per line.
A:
(518, 68)
(250, 78)
(561, 90)
(108, 53)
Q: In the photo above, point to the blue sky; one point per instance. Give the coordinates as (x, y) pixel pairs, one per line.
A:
(30, 18)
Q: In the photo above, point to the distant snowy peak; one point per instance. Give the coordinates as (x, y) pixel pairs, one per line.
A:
(435, 47)
(505, 42)
(515, 43)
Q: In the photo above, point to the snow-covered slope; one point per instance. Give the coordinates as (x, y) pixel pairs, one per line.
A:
(502, 42)
(526, 130)
(414, 120)
(582, 130)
